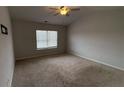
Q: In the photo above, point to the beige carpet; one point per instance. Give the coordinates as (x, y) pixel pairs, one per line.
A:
(65, 71)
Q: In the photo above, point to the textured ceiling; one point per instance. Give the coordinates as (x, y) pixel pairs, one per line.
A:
(43, 13)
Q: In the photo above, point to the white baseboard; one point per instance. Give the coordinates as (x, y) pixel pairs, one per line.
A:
(28, 57)
(10, 84)
(97, 61)
(23, 58)
(12, 74)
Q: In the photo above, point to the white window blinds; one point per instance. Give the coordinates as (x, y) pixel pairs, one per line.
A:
(46, 39)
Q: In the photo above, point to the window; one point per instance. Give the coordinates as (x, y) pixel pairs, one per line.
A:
(46, 39)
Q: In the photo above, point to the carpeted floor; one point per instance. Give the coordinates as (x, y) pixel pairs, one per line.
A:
(65, 71)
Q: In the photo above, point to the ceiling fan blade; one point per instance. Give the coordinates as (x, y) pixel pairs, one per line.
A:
(61, 7)
(53, 8)
(52, 12)
(75, 9)
(56, 14)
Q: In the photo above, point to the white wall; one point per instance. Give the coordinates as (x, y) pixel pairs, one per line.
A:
(24, 33)
(99, 37)
(6, 50)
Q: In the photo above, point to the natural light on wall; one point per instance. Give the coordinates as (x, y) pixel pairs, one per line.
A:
(46, 39)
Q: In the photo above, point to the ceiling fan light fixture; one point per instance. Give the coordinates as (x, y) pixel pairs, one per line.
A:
(64, 10)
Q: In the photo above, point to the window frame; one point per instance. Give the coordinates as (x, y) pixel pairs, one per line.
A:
(53, 47)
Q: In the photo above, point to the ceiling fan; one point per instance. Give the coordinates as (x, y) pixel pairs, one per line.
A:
(64, 10)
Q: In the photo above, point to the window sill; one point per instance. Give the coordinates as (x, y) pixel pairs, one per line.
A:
(47, 48)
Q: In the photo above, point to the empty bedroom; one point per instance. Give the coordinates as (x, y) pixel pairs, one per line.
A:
(62, 46)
